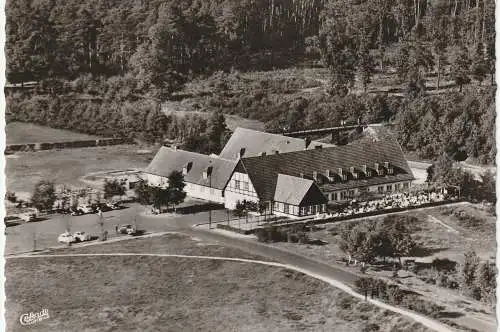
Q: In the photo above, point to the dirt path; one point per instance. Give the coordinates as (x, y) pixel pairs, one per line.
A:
(437, 221)
(432, 324)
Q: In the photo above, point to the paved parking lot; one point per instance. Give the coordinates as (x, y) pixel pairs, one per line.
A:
(21, 238)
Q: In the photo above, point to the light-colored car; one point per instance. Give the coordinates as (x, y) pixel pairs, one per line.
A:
(86, 208)
(66, 238)
(81, 236)
(127, 229)
(112, 206)
(28, 216)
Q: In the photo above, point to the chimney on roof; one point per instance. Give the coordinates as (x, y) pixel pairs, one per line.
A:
(327, 173)
(386, 164)
(262, 153)
(352, 170)
(302, 175)
(315, 176)
(340, 171)
(364, 168)
(276, 152)
(318, 147)
(377, 166)
(242, 152)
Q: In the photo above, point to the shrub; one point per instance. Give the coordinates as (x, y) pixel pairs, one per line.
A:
(346, 302)
(371, 328)
(415, 303)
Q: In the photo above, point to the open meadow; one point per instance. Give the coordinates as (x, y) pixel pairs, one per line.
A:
(68, 166)
(181, 294)
(22, 133)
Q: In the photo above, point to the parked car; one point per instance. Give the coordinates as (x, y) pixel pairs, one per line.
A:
(127, 229)
(81, 236)
(77, 212)
(86, 208)
(28, 216)
(103, 207)
(66, 238)
(112, 206)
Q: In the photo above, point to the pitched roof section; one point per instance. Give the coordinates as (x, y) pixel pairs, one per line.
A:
(168, 160)
(252, 143)
(297, 191)
(263, 171)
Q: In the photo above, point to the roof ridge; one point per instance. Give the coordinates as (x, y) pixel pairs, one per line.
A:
(197, 154)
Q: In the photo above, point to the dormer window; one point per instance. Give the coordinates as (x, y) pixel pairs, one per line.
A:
(205, 175)
(344, 177)
(352, 170)
(329, 175)
(390, 169)
(368, 172)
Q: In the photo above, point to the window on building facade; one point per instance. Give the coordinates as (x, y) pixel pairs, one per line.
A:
(245, 186)
(335, 196)
(286, 208)
(212, 191)
(351, 193)
(380, 189)
(343, 195)
(406, 185)
(237, 184)
(302, 211)
(202, 189)
(389, 187)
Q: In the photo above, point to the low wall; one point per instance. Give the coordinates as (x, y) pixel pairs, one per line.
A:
(235, 229)
(336, 219)
(195, 208)
(30, 147)
(379, 212)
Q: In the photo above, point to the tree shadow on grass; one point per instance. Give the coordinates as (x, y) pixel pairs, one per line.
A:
(449, 314)
(425, 252)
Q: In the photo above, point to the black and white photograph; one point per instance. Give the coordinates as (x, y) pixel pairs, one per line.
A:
(249, 165)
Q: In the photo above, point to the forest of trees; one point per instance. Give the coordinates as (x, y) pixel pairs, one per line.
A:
(105, 66)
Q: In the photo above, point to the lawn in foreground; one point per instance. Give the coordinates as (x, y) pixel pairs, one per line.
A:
(475, 231)
(179, 294)
(21, 133)
(68, 166)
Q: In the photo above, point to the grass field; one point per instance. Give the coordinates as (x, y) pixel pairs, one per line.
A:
(67, 166)
(442, 235)
(180, 294)
(20, 133)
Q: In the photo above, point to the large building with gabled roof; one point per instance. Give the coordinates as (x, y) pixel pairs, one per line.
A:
(205, 176)
(294, 182)
(250, 143)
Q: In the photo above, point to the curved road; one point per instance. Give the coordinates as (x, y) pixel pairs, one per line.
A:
(432, 324)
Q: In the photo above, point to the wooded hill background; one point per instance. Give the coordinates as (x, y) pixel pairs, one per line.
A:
(105, 66)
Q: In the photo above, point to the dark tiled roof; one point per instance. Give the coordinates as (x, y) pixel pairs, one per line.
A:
(296, 191)
(263, 170)
(168, 160)
(255, 142)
